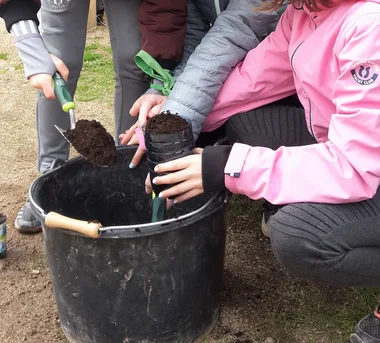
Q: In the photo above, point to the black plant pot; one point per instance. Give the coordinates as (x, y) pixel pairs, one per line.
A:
(167, 147)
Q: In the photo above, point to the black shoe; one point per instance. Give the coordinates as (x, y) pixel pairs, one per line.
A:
(26, 222)
(368, 329)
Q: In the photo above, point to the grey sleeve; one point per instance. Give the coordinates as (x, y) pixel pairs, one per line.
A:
(196, 28)
(237, 30)
(31, 49)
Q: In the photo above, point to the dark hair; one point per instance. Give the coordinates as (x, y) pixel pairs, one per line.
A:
(312, 5)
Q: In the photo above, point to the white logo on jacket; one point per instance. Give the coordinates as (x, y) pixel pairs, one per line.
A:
(58, 5)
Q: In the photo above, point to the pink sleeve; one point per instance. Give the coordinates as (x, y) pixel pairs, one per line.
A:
(263, 77)
(347, 167)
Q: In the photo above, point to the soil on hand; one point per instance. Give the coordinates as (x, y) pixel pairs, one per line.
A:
(93, 142)
(166, 123)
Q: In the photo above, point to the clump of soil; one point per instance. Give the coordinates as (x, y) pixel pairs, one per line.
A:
(2, 218)
(93, 142)
(166, 123)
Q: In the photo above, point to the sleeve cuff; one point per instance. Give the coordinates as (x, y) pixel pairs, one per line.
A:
(152, 90)
(214, 159)
(35, 57)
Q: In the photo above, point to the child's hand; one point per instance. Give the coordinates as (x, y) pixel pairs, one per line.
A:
(147, 106)
(130, 138)
(44, 81)
(148, 190)
(185, 173)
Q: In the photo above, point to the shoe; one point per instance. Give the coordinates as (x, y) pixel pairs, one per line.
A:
(264, 224)
(268, 210)
(368, 329)
(26, 222)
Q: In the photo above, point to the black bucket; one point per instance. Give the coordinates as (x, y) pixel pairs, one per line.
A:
(139, 281)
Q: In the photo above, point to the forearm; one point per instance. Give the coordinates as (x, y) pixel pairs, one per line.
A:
(31, 49)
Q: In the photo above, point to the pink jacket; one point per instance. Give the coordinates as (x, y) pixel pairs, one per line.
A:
(331, 58)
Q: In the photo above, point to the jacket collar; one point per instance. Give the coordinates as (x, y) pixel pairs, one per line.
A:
(317, 16)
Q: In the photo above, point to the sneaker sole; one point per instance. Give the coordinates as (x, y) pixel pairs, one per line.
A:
(27, 230)
(354, 338)
(264, 227)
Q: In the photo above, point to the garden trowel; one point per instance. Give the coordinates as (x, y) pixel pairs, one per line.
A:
(158, 208)
(66, 101)
(92, 141)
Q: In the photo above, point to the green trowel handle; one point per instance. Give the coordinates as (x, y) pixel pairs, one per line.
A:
(62, 93)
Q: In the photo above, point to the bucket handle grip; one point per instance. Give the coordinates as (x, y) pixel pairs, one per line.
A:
(58, 221)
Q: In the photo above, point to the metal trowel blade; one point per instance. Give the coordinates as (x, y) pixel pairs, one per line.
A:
(62, 132)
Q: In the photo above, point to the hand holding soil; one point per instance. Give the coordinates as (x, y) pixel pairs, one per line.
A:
(93, 142)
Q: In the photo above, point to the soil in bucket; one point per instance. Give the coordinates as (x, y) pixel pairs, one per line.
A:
(93, 142)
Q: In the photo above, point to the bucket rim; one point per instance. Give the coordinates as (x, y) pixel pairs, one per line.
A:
(223, 195)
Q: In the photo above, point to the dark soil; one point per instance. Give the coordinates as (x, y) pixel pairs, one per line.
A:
(93, 142)
(2, 218)
(166, 123)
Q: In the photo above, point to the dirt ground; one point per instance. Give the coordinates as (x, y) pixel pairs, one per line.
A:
(27, 307)
(261, 302)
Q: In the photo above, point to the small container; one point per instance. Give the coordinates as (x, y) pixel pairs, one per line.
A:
(3, 236)
(162, 148)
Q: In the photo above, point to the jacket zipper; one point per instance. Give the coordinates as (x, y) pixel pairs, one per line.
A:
(294, 52)
(310, 116)
(291, 63)
(310, 120)
(217, 7)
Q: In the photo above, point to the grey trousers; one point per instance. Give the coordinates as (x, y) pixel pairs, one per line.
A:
(63, 28)
(334, 244)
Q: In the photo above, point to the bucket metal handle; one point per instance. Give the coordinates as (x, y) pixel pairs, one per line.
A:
(58, 221)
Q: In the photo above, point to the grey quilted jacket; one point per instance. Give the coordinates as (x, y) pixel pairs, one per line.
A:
(236, 29)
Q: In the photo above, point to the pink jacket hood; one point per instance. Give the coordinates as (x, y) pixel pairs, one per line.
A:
(331, 59)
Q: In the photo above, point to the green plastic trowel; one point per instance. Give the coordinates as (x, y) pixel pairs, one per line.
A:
(158, 208)
(66, 101)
